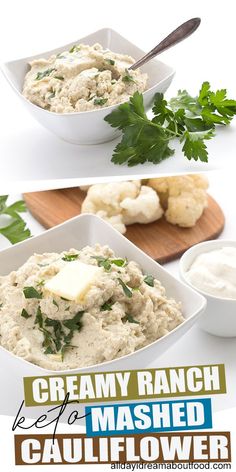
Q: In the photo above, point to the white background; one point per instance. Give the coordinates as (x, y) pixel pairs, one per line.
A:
(27, 150)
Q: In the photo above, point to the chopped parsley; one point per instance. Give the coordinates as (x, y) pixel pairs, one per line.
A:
(127, 77)
(74, 48)
(125, 287)
(119, 262)
(74, 324)
(40, 283)
(130, 319)
(100, 101)
(106, 262)
(25, 314)
(45, 73)
(52, 95)
(39, 317)
(110, 61)
(70, 257)
(58, 77)
(56, 339)
(149, 280)
(103, 262)
(55, 303)
(107, 306)
(31, 292)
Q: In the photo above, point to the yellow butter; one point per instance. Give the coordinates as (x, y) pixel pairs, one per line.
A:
(73, 281)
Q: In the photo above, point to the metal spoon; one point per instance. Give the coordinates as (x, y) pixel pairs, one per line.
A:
(180, 33)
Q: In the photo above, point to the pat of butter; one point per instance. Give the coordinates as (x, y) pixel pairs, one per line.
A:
(73, 281)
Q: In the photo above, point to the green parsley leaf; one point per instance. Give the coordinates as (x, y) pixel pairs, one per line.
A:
(143, 140)
(25, 314)
(126, 289)
(74, 324)
(49, 350)
(100, 101)
(39, 317)
(31, 292)
(70, 257)
(195, 149)
(3, 199)
(130, 319)
(74, 48)
(107, 306)
(58, 77)
(43, 74)
(15, 230)
(110, 61)
(127, 77)
(55, 303)
(119, 262)
(149, 280)
(41, 283)
(103, 262)
(192, 120)
(14, 209)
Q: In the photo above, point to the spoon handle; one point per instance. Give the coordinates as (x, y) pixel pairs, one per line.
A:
(180, 33)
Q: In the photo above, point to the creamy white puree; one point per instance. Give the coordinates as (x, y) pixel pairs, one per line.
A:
(214, 272)
(82, 79)
(111, 321)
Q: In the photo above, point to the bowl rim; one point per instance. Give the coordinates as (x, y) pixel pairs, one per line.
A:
(191, 252)
(197, 312)
(5, 65)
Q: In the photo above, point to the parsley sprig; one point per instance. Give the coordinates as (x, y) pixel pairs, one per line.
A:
(192, 120)
(55, 339)
(107, 262)
(15, 229)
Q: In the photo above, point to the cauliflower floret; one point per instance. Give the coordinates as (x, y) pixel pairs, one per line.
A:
(183, 197)
(123, 203)
(145, 208)
(107, 197)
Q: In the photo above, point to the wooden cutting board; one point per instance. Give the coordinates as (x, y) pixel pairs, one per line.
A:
(160, 240)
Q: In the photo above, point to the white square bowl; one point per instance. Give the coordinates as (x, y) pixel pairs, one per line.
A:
(88, 230)
(88, 127)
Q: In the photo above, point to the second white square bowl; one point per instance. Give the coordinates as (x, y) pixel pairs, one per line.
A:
(89, 230)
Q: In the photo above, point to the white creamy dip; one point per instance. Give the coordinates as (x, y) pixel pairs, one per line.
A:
(214, 272)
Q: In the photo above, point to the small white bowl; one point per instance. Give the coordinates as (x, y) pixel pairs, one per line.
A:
(88, 127)
(220, 316)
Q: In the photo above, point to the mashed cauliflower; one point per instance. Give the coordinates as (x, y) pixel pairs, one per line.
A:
(82, 79)
(124, 310)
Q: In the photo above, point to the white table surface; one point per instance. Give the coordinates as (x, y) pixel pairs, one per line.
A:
(32, 158)
(196, 347)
